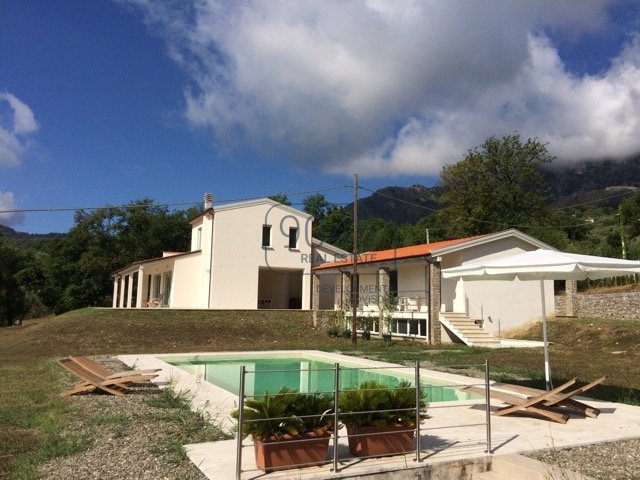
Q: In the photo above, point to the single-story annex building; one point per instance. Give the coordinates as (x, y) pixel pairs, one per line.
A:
(405, 285)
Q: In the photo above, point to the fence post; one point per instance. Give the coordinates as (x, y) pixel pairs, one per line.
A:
(488, 403)
(418, 398)
(240, 420)
(336, 415)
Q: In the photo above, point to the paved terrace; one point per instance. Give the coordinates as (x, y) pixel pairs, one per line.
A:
(455, 433)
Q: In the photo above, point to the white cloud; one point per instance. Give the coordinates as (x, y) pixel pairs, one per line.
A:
(388, 88)
(17, 123)
(7, 202)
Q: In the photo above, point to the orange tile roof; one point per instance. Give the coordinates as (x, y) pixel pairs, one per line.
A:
(393, 254)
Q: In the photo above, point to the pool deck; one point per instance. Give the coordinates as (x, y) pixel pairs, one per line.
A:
(455, 432)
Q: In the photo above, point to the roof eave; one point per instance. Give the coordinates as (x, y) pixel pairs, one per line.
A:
(491, 237)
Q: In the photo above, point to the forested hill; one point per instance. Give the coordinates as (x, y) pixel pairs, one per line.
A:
(589, 176)
(607, 180)
(34, 240)
(399, 204)
(605, 183)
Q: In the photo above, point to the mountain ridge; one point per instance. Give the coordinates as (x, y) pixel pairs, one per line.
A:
(606, 183)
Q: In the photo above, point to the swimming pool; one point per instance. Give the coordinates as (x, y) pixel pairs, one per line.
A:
(266, 373)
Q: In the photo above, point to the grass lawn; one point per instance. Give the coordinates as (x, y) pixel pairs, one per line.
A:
(32, 414)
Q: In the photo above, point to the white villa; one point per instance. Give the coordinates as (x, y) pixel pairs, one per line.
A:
(260, 254)
(405, 283)
(245, 255)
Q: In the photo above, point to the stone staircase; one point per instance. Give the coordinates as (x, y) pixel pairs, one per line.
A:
(518, 467)
(469, 332)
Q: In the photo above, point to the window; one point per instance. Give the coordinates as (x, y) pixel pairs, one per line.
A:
(199, 239)
(293, 237)
(266, 235)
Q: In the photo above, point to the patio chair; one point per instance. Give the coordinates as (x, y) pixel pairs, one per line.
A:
(563, 399)
(535, 404)
(113, 383)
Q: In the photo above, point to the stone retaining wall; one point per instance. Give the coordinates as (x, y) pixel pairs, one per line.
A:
(622, 305)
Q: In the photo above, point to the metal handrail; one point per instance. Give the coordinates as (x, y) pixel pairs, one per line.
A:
(337, 415)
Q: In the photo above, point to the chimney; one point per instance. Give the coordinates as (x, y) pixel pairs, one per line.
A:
(208, 201)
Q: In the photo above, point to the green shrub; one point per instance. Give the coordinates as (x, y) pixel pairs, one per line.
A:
(286, 413)
(375, 404)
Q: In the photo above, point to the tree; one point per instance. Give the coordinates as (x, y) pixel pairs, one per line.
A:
(335, 227)
(316, 205)
(105, 240)
(416, 234)
(377, 234)
(630, 215)
(497, 185)
(13, 304)
(281, 198)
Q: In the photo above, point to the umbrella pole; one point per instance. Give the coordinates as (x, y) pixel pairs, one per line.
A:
(547, 366)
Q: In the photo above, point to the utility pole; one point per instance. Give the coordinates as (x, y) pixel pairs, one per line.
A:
(624, 246)
(355, 287)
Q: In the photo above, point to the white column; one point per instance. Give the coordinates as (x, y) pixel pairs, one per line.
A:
(130, 290)
(114, 303)
(306, 290)
(141, 293)
(122, 292)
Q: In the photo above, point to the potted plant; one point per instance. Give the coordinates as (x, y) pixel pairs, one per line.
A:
(380, 420)
(289, 429)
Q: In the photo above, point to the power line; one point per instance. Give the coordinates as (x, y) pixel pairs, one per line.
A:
(104, 207)
(622, 194)
(162, 204)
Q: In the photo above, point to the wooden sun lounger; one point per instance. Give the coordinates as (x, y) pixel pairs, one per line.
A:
(98, 369)
(563, 399)
(531, 404)
(98, 378)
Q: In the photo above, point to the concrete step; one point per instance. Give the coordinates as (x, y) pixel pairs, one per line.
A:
(468, 331)
(470, 328)
(518, 467)
(475, 331)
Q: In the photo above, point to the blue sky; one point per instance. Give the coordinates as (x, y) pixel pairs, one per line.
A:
(106, 102)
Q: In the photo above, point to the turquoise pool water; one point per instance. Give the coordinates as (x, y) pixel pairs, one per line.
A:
(304, 375)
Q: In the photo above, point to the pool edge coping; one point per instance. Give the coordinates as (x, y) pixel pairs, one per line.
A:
(202, 392)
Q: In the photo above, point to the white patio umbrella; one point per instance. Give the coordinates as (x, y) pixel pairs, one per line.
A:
(544, 265)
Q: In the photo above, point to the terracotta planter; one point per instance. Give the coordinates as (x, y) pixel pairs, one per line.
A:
(306, 450)
(380, 441)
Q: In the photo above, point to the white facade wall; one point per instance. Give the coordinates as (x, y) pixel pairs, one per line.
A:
(330, 291)
(202, 239)
(324, 253)
(504, 305)
(239, 255)
(411, 280)
(369, 292)
(187, 282)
